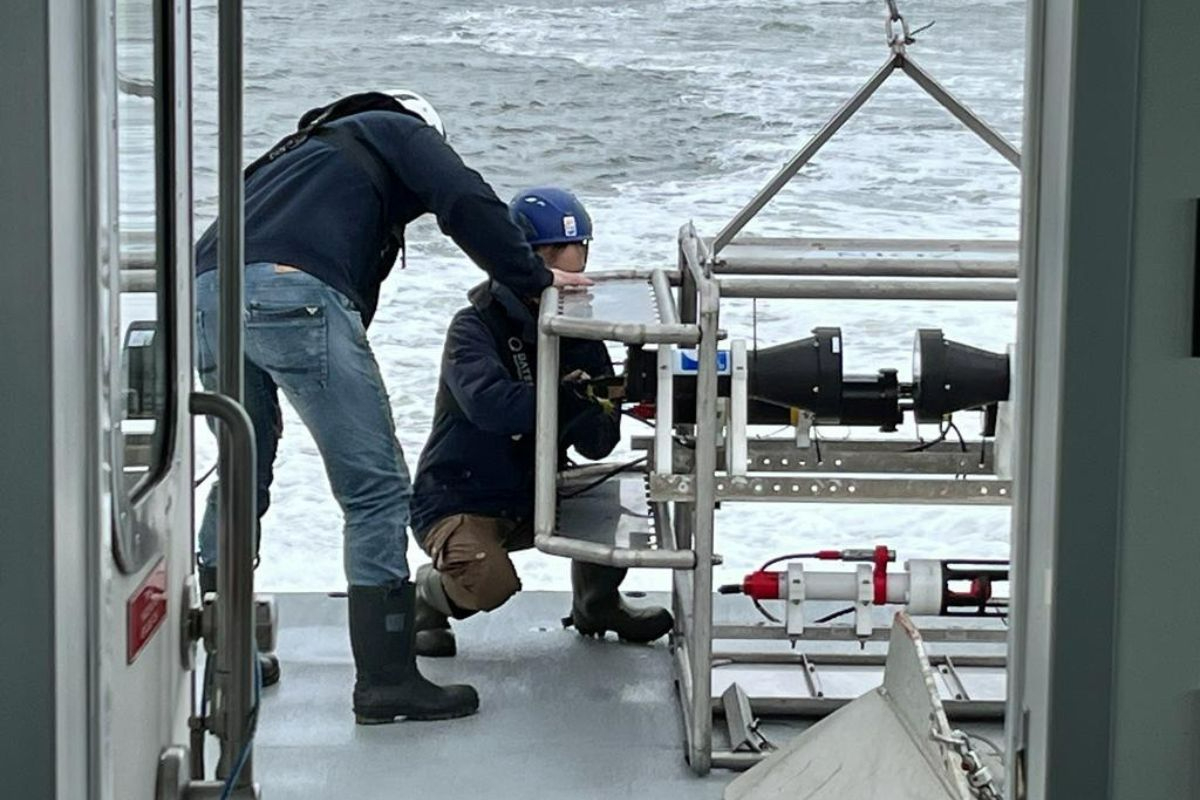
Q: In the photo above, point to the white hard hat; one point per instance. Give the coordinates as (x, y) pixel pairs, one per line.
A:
(418, 106)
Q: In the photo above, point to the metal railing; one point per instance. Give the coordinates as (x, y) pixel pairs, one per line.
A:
(551, 326)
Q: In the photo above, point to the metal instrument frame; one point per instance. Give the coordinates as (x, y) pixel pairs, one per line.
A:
(685, 487)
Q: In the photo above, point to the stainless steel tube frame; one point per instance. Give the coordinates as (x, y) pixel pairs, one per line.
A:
(627, 332)
(687, 294)
(235, 654)
(961, 112)
(546, 444)
(664, 442)
(789, 170)
(863, 289)
(612, 555)
(700, 630)
(845, 633)
(736, 446)
(235, 542)
(899, 60)
(738, 761)
(879, 244)
(635, 273)
(854, 489)
(667, 313)
(868, 267)
(695, 255)
(546, 459)
(851, 457)
(138, 280)
(231, 190)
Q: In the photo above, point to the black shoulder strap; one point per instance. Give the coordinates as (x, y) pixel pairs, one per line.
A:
(316, 117)
(315, 123)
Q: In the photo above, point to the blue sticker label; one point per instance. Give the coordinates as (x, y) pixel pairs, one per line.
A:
(688, 362)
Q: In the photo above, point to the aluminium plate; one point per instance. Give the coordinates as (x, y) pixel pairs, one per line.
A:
(619, 301)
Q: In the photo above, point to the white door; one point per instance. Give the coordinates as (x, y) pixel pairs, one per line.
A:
(144, 684)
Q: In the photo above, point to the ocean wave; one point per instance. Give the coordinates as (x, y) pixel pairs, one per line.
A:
(784, 26)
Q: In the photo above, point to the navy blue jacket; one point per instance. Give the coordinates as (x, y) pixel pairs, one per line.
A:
(480, 456)
(315, 208)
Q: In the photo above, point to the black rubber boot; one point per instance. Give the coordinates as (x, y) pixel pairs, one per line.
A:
(435, 639)
(388, 684)
(268, 663)
(598, 606)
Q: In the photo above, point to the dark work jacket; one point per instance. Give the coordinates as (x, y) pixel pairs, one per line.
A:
(316, 208)
(480, 456)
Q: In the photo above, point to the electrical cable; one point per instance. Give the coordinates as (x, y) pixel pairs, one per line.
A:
(610, 473)
(206, 685)
(921, 448)
(208, 473)
(962, 443)
(251, 727)
(788, 557)
(913, 34)
(776, 560)
(769, 434)
(942, 431)
(835, 615)
(763, 611)
(995, 747)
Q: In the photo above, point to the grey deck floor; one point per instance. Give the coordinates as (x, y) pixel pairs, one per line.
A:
(560, 716)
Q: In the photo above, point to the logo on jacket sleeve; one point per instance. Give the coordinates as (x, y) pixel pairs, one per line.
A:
(520, 360)
(569, 228)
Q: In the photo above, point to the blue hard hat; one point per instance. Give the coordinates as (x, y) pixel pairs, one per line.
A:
(550, 215)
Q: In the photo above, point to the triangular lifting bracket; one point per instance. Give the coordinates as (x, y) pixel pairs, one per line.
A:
(899, 60)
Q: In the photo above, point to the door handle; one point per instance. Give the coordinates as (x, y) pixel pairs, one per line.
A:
(235, 651)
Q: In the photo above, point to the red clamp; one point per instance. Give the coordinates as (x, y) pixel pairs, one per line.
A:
(762, 585)
(643, 411)
(880, 576)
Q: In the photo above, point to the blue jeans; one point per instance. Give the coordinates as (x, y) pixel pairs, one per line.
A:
(307, 339)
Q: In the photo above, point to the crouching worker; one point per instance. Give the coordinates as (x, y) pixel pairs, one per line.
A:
(473, 493)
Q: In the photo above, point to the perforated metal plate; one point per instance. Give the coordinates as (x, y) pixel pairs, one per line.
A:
(614, 513)
(619, 300)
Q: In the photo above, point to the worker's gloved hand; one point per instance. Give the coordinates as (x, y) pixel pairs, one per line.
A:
(572, 394)
(570, 281)
(575, 397)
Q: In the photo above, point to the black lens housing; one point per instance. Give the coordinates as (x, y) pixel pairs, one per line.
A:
(950, 376)
(802, 374)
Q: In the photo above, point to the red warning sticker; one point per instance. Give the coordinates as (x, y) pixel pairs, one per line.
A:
(145, 611)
